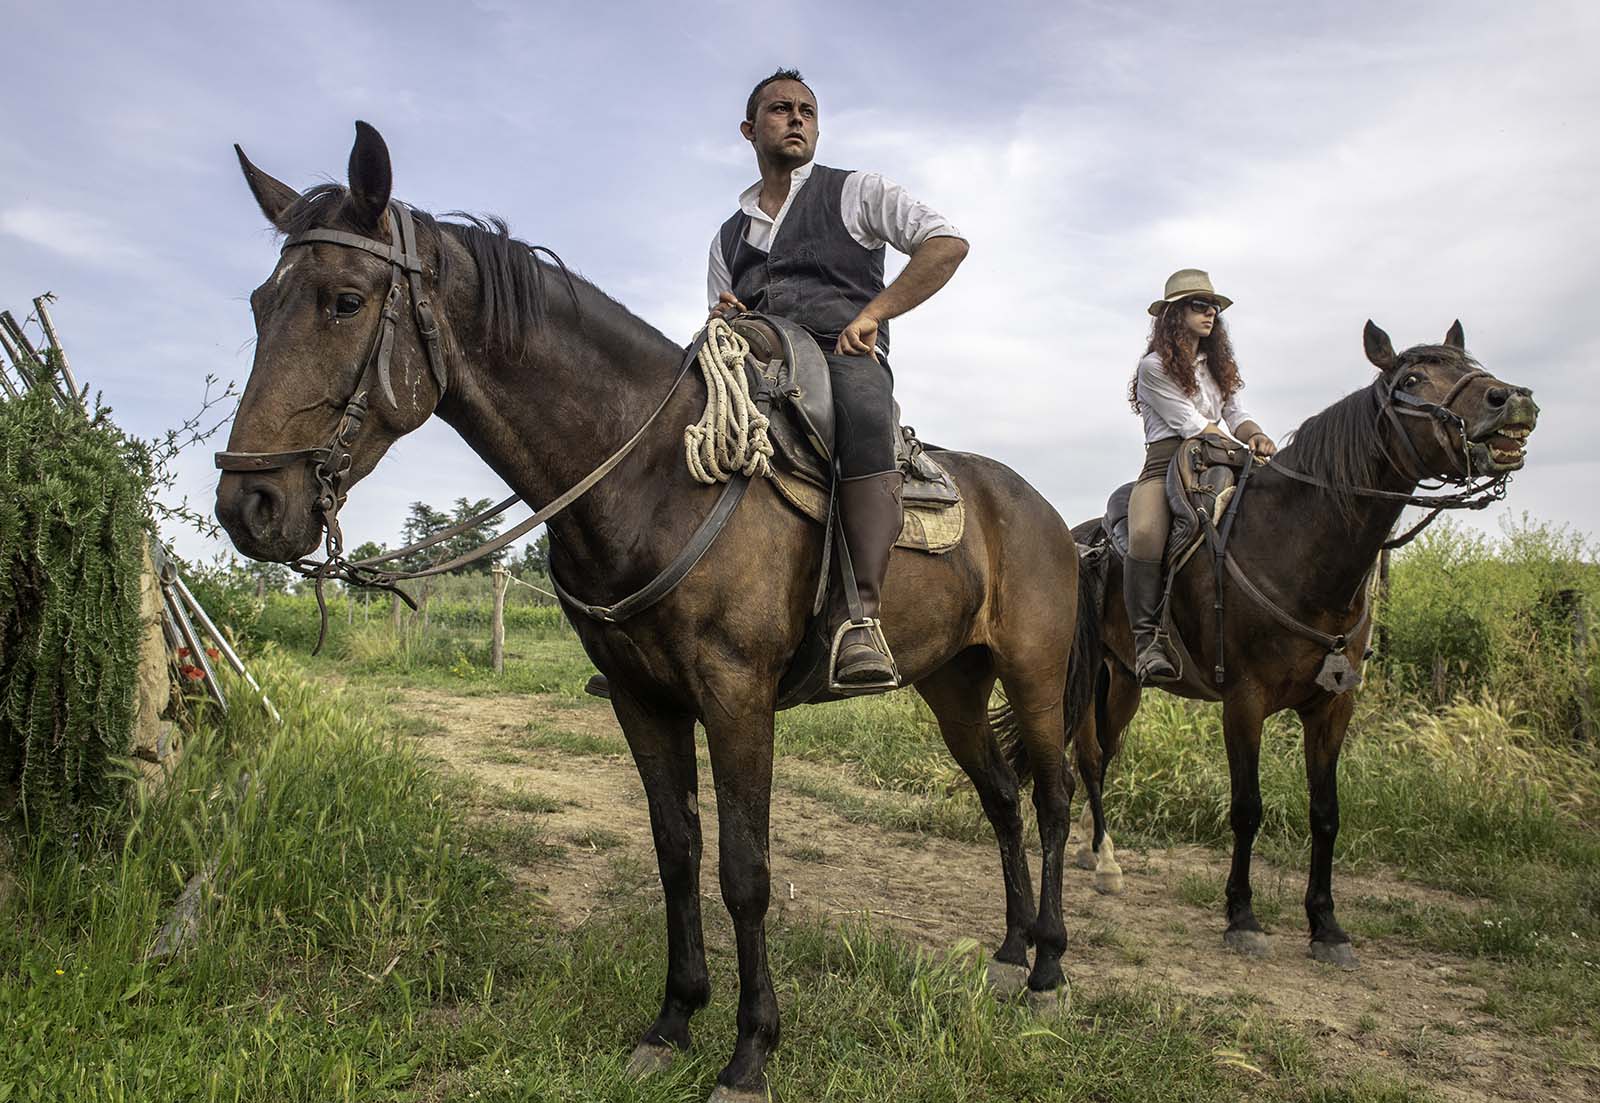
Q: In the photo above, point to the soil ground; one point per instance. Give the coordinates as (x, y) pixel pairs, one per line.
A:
(1406, 1012)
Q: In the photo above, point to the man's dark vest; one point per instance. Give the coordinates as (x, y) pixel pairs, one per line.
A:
(816, 274)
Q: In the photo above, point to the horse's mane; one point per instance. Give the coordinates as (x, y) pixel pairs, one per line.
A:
(514, 277)
(1343, 445)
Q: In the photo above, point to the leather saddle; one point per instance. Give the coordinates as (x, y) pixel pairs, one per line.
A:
(786, 361)
(1200, 478)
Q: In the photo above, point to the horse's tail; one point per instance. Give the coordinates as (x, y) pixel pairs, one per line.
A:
(1088, 655)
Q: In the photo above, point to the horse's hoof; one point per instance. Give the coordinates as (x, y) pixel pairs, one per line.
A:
(650, 1058)
(1335, 953)
(1084, 858)
(1253, 944)
(1108, 882)
(724, 1094)
(1052, 1004)
(1007, 980)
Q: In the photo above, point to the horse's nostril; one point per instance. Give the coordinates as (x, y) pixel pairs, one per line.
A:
(259, 505)
(1497, 396)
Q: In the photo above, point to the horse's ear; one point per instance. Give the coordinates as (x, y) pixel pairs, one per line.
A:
(370, 176)
(1456, 338)
(1379, 349)
(273, 196)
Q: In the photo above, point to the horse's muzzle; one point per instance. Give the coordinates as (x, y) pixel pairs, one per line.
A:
(264, 518)
(1498, 442)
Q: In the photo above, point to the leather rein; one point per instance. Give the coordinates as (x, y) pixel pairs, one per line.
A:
(1478, 491)
(331, 463)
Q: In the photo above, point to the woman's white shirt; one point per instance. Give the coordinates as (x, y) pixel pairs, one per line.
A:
(1170, 412)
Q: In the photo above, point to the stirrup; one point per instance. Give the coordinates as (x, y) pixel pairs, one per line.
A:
(874, 629)
(1160, 642)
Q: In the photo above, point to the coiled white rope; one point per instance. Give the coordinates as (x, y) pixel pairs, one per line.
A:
(731, 435)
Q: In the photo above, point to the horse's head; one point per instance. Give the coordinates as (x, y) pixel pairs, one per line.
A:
(343, 364)
(1452, 419)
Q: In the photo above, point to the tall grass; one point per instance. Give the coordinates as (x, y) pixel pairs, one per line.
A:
(340, 903)
(1469, 617)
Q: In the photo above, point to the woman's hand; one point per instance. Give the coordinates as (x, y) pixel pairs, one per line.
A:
(1261, 444)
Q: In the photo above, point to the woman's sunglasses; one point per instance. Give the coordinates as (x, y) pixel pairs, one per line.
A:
(1204, 306)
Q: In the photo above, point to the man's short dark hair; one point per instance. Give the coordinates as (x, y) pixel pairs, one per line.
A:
(755, 93)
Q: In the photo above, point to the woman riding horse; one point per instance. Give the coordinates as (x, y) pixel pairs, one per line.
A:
(1187, 384)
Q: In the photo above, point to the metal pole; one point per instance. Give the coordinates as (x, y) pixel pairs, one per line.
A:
(222, 645)
(191, 638)
(55, 343)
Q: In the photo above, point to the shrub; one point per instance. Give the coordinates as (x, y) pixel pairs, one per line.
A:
(73, 526)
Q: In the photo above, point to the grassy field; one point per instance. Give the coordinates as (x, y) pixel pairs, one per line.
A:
(364, 938)
(359, 943)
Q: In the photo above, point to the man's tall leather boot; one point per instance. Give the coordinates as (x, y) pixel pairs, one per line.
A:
(869, 508)
(1141, 587)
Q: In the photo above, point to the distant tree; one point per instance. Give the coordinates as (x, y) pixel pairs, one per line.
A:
(535, 556)
(424, 521)
(267, 577)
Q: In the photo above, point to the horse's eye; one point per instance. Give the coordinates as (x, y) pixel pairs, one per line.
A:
(347, 305)
(1412, 380)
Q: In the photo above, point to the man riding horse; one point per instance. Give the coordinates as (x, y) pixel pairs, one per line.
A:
(807, 243)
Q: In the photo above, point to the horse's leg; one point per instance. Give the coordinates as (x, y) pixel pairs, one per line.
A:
(1116, 701)
(1241, 731)
(1325, 727)
(1037, 702)
(739, 738)
(663, 751)
(958, 694)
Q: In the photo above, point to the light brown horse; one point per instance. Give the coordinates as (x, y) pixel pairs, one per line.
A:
(544, 376)
(1309, 528)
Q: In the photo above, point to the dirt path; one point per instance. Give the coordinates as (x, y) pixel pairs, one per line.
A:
(1405, 1012)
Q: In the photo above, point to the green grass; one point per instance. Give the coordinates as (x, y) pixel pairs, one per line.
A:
(1474, 797)
(360, 944)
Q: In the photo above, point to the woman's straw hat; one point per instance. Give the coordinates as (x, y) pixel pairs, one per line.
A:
(1186, 283)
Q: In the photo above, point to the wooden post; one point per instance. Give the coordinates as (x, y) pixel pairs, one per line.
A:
(497, 646)
(1583, 729)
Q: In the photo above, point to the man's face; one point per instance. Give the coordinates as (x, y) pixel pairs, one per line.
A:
(784, 130)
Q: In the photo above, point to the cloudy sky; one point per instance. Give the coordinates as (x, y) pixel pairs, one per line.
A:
(1411, 162)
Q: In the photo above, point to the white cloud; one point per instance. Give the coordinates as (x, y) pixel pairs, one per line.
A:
(74, 234)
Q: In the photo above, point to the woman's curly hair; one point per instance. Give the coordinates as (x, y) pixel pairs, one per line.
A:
(1166, 340)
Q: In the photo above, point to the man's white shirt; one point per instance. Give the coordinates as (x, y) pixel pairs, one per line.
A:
(875, 211)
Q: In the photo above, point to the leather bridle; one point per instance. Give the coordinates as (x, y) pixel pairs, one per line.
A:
(1478, 489)
(1338, 674)
(331, 463)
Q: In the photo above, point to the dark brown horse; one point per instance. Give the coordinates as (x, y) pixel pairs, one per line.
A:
(544, 376)
(1309, 528)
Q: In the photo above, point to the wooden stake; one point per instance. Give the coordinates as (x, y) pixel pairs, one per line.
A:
(55, 343)
(497, 646)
